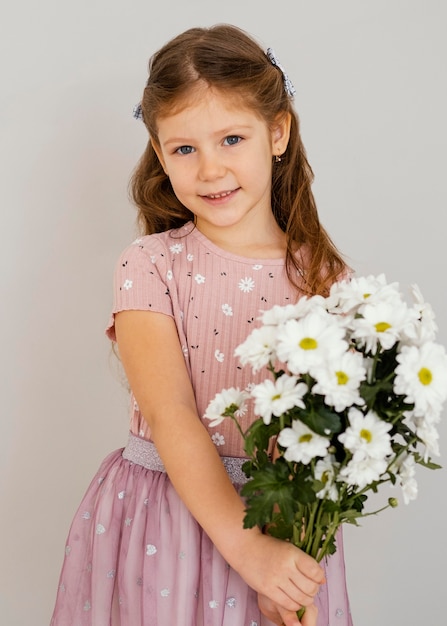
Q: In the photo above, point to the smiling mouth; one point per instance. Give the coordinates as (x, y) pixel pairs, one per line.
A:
(222, 194)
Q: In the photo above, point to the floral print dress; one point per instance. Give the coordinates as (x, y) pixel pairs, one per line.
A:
(134, 555)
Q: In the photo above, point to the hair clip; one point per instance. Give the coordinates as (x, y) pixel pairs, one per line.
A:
(288, 86)
(138, 111)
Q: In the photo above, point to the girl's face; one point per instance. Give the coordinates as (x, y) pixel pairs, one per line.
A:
(218, 157)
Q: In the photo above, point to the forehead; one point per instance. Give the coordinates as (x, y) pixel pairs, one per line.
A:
(206, 106)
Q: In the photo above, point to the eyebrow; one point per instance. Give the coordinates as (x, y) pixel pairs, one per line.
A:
(224, 132)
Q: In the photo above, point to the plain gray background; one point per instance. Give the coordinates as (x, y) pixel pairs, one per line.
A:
(371, 93)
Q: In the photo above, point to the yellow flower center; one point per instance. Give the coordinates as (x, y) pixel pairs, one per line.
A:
(425, 376)
(366, 435)
(342, 378)
(305, 438)
(366, 295)
(381, 327)
(308, 343)
(325, 477)
(277, 397)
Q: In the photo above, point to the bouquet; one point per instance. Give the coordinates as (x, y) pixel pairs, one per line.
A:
(354, 393)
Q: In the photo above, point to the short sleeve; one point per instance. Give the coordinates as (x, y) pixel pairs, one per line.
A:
(139, 281)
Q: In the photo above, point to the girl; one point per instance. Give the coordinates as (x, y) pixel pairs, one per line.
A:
(230, 228)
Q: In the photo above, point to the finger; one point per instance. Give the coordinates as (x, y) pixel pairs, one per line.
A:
(310, 616)
(289, 618)
(310, 568)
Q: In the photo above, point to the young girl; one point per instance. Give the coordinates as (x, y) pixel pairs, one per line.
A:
(230, 229)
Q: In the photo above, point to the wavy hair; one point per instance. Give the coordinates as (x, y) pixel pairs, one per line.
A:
(227, 59)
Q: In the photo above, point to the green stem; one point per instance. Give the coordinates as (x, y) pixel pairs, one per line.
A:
(375, 512)
(301, 612)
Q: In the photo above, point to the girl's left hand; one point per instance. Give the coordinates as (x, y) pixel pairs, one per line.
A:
(278, 615)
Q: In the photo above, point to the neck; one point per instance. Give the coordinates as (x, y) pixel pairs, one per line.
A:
(260, 242)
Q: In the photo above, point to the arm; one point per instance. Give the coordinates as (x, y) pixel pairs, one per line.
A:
(156, 371)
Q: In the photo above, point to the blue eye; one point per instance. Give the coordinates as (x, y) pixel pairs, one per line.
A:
(185, 150)
(232, 140)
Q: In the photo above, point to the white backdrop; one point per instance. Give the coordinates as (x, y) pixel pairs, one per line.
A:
(371, 93)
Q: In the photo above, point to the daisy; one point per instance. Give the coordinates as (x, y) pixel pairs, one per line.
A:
(339, 381)
(199, 279)
(429, 436)
(425, 327)
(363, 472)
(306, 343)
(277, 397)
(406, 473)
(302, 444)
(246, 284)
(325, 472)
(347, 296)
(218, 439)
(228, 399)
(258, 349)
(366, 436)
(382, 324)
(227, 310)
(421, 376)
(176, 248)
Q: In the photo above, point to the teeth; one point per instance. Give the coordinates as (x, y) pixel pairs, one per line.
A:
(219, 195)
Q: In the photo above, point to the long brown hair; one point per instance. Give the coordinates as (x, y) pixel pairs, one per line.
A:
(228, 59)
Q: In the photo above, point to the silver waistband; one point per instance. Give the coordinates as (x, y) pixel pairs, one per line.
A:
(143, 452)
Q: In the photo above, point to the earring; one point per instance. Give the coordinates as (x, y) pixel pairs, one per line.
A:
(277, 158)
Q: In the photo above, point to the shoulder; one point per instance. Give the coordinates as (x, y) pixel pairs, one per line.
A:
(154, 249)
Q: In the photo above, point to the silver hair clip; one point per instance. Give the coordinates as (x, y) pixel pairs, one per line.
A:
(288, 86)
(138, 111)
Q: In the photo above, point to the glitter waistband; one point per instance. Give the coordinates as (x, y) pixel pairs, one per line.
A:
(143, 452)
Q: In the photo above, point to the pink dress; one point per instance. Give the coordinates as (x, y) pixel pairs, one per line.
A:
(134, 555)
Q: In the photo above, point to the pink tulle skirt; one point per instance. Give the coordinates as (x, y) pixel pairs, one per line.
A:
(136, 557)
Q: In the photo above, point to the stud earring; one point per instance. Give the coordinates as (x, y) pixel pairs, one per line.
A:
(277, 158)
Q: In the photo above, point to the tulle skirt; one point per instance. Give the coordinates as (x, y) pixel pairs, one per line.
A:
(136, 557)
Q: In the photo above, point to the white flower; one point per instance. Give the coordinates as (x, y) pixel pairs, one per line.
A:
(421, 377)
(425, 311)
(366, 436)
(346, 296)
(246, 284)
(218, 439)
(325, 471)
(199, 279)
(258, 349)
(339, 380)
(302, 444)
(278, 314)
(306, 343)
(176, 248)
(127, 284)
(406, 474)
(169, 275)
(277, 397)
(257, 267)
(137, 241)
(219, 356)
(362, 472)
(224, 400)
(189, 257)
(383, 323)
(227, 309)
(429, 436)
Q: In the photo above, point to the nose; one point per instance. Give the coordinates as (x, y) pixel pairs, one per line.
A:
(211, 166)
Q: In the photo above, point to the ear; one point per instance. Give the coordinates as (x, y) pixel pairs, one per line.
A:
(159, 154)
(281, 134)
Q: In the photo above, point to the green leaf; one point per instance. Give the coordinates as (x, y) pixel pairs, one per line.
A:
(268, 487)
(318, 416)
